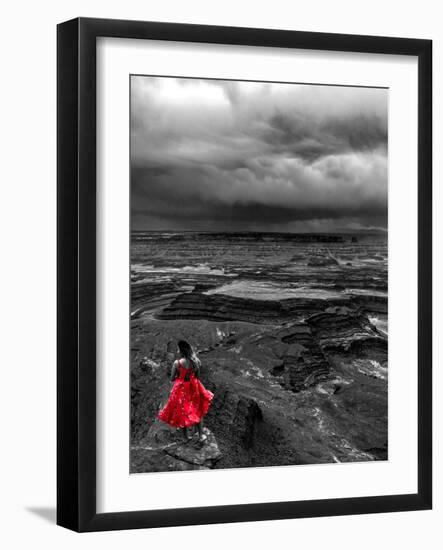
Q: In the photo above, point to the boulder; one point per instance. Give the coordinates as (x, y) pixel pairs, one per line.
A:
(164, 448)
(200, 454)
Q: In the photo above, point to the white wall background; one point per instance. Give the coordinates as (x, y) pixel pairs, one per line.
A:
(27, 274)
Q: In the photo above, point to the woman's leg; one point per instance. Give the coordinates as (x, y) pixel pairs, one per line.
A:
(201, 435)
(186, 435)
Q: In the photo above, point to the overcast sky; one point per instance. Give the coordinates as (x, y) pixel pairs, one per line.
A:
(227, 155)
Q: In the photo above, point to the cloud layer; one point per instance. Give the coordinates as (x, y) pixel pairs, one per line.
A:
(228, 155)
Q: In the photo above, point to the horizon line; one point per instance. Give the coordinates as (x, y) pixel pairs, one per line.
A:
(340, 232)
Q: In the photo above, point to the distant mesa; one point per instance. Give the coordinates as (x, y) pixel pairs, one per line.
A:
(242, 236)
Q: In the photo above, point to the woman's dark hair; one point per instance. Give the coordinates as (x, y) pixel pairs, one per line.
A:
(187, 352)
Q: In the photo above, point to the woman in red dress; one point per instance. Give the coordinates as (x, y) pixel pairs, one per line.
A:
(189, 400)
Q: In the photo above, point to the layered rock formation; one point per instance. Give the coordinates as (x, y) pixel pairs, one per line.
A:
(222, 307)
(218, 307)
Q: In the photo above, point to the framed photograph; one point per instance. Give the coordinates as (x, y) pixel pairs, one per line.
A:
(244, 274)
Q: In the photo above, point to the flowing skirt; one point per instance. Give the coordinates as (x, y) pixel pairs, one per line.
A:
(188, 402)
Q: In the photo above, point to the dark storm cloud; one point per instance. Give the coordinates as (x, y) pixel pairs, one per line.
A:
(311, 139)
(221, 155)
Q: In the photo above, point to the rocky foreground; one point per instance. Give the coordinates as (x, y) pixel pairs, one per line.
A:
(165, 449)
(300, 392)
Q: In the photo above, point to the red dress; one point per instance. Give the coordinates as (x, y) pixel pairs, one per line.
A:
(188, 401)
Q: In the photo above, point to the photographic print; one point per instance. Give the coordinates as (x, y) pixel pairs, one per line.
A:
(258, 274)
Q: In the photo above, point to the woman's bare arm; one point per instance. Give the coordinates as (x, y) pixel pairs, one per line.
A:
(174, 371)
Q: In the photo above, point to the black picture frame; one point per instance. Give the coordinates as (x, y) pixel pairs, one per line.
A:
(76, 280)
